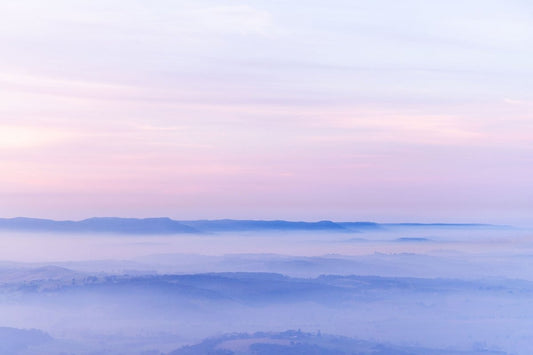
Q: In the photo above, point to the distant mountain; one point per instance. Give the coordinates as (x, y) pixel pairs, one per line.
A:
(232, 225)
(10, 275)
(166, 225)
(255, 288)
(444, 225)
(361, 226)
(98, 225)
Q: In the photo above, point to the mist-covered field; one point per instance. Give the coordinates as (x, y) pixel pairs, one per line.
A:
(381, 289)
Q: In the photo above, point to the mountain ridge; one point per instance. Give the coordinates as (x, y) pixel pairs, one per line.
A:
(166, 225)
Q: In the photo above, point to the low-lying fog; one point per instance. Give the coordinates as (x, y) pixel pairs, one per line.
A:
(425, 287)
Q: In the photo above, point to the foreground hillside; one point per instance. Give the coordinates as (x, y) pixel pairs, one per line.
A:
(131, 314)
(299, 343)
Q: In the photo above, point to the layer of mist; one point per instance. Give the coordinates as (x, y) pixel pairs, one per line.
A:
(392, 289)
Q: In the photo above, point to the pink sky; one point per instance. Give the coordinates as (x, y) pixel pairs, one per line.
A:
(252, 111)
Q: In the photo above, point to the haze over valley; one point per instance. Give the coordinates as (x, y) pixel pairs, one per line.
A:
(409, 288)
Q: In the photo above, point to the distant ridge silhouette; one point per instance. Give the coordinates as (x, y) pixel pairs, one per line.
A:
(165, 225)
(99, 225)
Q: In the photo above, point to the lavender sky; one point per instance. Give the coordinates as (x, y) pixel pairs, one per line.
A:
(377, 110)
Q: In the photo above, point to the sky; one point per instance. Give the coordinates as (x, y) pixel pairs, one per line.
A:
(304, 110)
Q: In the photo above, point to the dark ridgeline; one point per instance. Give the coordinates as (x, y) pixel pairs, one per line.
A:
(98, 225)
(164, 225)
(233, 225)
